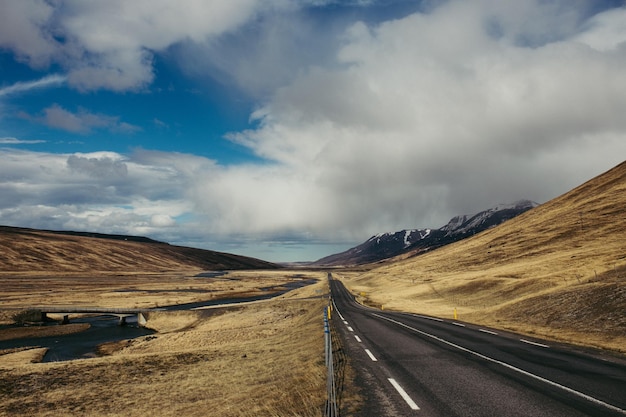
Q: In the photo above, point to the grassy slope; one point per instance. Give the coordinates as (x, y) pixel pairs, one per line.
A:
(558, 271)
(27, 250)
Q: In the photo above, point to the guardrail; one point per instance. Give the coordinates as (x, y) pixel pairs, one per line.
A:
(331, 387)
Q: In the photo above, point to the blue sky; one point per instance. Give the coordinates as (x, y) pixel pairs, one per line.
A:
(289, 130)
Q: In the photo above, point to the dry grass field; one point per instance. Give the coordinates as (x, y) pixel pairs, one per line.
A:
(264, 358)
(557, 271)
(134, 290)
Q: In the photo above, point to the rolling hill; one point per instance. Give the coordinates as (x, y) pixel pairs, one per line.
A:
(30, 250)
(558, 270)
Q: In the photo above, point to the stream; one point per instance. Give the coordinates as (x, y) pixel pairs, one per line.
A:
(105, 329)
(83, 344)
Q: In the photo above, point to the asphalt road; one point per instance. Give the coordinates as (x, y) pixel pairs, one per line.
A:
(412, 365)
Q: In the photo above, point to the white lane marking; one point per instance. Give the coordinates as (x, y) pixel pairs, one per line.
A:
(358, 339)
(511, 367)
(534, 343)
(487, 331)
(350, 328)
(428, 318)
(340, 316)
(404, 395)
(372, 357)
(345, 322)
(458, 324)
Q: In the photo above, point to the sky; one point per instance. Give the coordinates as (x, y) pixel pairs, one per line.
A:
(289, 130)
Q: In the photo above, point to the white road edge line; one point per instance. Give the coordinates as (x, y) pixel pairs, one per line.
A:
(337, 310)
(372, 357)
(511, 367)
(458, 324)
(488, 331)
(358, 339)
(534, 343)
(403, 394)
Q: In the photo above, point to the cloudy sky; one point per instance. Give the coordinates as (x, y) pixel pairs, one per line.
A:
(293, 129)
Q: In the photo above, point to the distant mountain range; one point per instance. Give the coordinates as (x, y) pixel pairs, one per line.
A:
(388, 245)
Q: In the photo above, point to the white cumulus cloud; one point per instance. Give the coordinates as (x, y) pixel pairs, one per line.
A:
(111, 44)
(434, 115)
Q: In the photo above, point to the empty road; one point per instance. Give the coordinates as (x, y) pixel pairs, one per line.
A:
(412, 365)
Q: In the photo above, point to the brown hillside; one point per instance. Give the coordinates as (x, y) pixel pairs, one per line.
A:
(28, 250)
(558, 271)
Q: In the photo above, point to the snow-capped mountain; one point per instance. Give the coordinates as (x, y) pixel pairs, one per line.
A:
(468, 225)
(388, 245)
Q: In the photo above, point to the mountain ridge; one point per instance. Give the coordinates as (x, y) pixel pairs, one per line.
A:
(384, 246)
(28, 250)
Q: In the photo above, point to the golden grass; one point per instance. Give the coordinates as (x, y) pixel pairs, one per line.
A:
(557, 271)
(259, 359)
(19, 356)
(42, 331)
(133, 290)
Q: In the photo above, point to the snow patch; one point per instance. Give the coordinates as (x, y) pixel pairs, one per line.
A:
(407, 235)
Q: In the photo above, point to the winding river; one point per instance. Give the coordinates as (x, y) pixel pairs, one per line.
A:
(105, 329)
(83, 344)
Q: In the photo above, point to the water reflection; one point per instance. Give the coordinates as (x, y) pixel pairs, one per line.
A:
(83, 344)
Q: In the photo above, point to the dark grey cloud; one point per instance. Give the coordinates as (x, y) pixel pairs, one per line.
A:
(105, 168)
(82, 121)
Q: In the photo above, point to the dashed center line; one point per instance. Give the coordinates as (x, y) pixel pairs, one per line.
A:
(358, 339)
(403, 394)
(350, 328)
(487, 331)
(458, 324)
(372, 357)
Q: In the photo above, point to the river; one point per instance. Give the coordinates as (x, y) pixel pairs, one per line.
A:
(83, 344)
(105, 329)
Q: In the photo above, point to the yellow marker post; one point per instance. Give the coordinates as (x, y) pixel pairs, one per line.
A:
(328, 312)
(455, 315)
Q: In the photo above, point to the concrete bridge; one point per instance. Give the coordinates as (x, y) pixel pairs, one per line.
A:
(122, 313)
